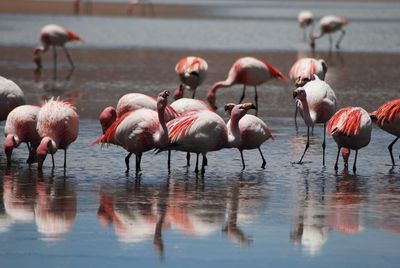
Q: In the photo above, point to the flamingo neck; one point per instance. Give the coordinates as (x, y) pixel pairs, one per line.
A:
(234, 132)
(162, 139)
(308, 118)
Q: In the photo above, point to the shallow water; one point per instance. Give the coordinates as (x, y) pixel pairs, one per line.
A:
(94, 214)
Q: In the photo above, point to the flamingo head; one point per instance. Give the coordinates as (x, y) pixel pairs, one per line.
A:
(299, 94)
(47, 145)
(240, 110)
(178, 93)
(10, 142)
(162, 99)
(211, 98)
(107, 117)
(36, 57)
(301, 81)
(228, 107)
(345, 154)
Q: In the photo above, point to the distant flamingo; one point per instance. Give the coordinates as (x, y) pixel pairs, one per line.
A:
(305, 19)
(191, 71)
(329, 25)
(139, 131)
(198, 133)
(247, 71)
(317, 104)
(58, 126)
(21, 127)
(351, 128)
(303, 71)
(387, 117)
(54, 35)
(245, 131)
(132, 102)
(11, 96)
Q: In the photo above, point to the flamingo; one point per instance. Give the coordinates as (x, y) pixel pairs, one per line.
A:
(351, 128)
(387, 117)
(197, 132)
(54, 35)
(11, 96)
(305, 19)
(316, 103)
(191, 71)
(303, 71)
(247, 71)
(245, 131)
(21, 127)
(132, 102)
(139, 131)
(328, 25)
(58, 127)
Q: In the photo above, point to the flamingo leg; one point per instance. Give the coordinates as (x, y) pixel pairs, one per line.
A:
(256, 99)
(127, 161)
(241, 155)
(203, 164)
(188, 159)
(55, 63)
(169, 161)
(355, 162)
(69, 58)
(323, 146)
(30, 157)
(337, 159)
(243, 94)
(196, 169)
(307, 145)
(262, 156)
(340, 38)
(65, 158)
(194, 93)
(390, 148)
(304, 34)
(138, 167)
(52, 159)
(330, 42)
(295, 118)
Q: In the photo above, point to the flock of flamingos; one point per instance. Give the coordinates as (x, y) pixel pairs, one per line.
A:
(140, 123)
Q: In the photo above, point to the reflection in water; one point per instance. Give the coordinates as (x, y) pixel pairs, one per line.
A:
(51, 204)
(142, 212)
(388, 199)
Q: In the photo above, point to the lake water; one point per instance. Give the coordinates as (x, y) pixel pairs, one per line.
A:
(286, 215)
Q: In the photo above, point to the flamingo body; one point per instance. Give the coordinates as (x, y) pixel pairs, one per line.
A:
(305, 18)
(21, 127)
(246, 71)
(11, 96)
(387, 117)
(58, 126)
(328, 25)
(351, 128)
(185, 105)
(304, 69)
(191, 71)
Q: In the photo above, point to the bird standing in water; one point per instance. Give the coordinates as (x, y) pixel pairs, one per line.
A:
(329, 25)
(305, 19)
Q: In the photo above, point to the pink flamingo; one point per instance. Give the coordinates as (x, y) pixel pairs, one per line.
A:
(328, 25)
(129, 103)
(58, 126)
(351, 128)
(387, 117)
(305, 19)
(21, 127)
(11, 96)
(316, 103)
(197, 132)
(245, 131)
(191, 71)
(247, 71)
(54, 35)
(303, 71)
(139, 131)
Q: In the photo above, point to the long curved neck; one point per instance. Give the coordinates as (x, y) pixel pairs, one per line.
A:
(307, 114)
(234, 132)
(221, 84)
(163, 130)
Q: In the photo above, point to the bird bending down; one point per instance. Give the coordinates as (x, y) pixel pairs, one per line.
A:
(305, 19)
(387, 117)
(58, 127)
(191, 71)
(21, 127)
(245, 131)
(139, 131)
(351, 128)
(329, 25)
(247, 71)
(303, 71)
(11, 96)
(55, 36)
(316, 104)
(197, 132)
(129, 103)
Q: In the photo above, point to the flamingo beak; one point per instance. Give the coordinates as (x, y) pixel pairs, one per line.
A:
(247, 106)
(229, 107)
(295, 93)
